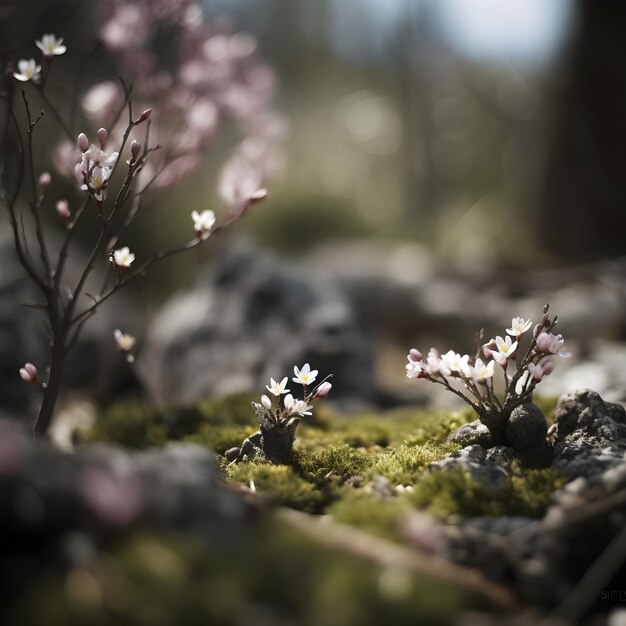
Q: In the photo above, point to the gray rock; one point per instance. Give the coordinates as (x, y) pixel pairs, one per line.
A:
(474, 459)
(502, 456)
(473, 433)
(252, 316)
(55, 506)
(526, 428)
(590, 436)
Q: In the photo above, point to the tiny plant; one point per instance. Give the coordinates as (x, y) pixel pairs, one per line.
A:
(279, 417)
(475, 380)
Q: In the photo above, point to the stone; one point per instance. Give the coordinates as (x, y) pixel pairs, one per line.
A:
(250, 317)
(502, 456)
(472, 433)
(590, 436)
(526, 427)
(474, 459)
(48, 496)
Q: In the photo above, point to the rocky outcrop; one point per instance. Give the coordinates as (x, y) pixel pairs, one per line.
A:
(252, 317)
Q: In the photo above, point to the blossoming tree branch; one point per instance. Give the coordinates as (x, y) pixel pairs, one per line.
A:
(122, 163)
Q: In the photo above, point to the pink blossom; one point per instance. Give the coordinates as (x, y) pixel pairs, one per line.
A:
(323, 390)
(28, 373)
(552, 344)
(415, 355)
(63, 209)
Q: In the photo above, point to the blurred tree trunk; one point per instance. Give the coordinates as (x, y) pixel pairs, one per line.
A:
(582, 208)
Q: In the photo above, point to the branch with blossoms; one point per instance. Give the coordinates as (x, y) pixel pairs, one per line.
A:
(110, 174)
(476, 381)
(279, 418)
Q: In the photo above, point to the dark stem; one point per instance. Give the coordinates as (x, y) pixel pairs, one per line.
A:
(52, 388)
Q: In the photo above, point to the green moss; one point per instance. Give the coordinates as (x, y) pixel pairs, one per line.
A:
(371, 513)
(230, 410)
(456, 492)
(280, 481)
(404, 465)
(219, 424)
(270, 575)
(131, 423)
(331, 463)
(221, 438)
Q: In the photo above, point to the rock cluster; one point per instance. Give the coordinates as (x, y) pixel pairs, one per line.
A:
(583, 527)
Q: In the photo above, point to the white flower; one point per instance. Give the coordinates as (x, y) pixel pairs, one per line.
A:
(125, 342)
(482, 372)
(519, 326)
(203, 222)
(266, 402)
(435, 366)
(96, 156)
(505, 349)
(414, 370)
(122, 258)
(297, 407)
(95, 169)
(304, 376)
(277, 389)
(28, 70)
(456, 363)
(520, 386)
(51, 46)
(97, 182)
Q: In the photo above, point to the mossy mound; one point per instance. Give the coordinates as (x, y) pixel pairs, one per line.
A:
(275, 575)
(336, 457)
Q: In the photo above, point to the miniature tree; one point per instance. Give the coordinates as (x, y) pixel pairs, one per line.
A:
(215, 76)
(279, 418)
(476, 380)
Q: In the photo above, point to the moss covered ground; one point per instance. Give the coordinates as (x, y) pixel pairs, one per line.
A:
(338, 461)
(363, 471)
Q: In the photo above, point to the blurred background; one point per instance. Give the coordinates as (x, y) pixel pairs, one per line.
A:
(440, 166)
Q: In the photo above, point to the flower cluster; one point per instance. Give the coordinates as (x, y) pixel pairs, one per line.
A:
(474, 378)
(95, 167)
(288, 410)
(197, 77)
(29, 70)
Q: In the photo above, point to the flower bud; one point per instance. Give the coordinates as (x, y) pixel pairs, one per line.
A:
(546, 341)
(488, 348)
(63, 209)
(82, 142)
(103, 136)
(135, 148)
(44, 182)
(266, 402)
(29, 373)
(323, 390)
(415, 355)
(144, 116)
